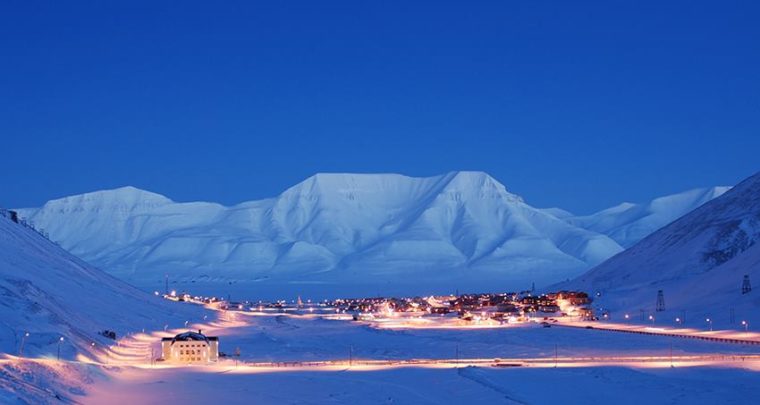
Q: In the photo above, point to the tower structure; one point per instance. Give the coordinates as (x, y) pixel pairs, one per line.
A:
(746, 286)
(660, 301)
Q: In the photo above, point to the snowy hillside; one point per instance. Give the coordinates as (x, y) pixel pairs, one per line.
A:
(50, 294)
(459, 229)
(628, 223)
(698, 261)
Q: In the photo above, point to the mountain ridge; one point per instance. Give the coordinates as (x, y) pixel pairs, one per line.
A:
(328, 223)
(369, 228)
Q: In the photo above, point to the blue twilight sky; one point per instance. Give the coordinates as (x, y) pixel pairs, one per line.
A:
(580, 105)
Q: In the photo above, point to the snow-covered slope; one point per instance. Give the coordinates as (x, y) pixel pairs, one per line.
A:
(49, 293)
(461, 229)
(698, 261)
(628, 223)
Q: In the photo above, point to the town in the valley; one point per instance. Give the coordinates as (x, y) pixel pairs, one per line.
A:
(462, 310)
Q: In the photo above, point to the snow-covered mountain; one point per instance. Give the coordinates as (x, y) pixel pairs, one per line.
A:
(698, 261)
(628, 223)
(462, 229)
(50, 294)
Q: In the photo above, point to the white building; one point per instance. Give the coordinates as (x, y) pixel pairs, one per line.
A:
(191, 348)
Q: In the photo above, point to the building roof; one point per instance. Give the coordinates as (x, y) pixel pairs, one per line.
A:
(190, 336)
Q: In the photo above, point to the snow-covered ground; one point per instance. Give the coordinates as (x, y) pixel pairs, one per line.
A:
(585, 386)
(379, 362)
(283, 338)
(53, 304)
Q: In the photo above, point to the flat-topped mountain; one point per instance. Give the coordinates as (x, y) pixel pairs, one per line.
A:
(338, 227)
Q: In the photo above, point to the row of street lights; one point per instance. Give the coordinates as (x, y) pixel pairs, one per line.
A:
(26, 335)
(61, 340)
(679, 321)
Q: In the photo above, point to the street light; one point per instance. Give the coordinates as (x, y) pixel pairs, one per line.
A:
(746, 325)
(651, 318)
(21, 348)
(186, 322)
(627, 317)
(59, 347)
(708, 320)
(678, 320)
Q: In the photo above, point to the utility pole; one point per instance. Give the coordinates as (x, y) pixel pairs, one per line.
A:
(59, 347)
(555, 355)
(166, 284)
(21, 348)
(457, 355)
(350, 355)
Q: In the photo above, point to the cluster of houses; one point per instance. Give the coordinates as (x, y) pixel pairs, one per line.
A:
(498, 306)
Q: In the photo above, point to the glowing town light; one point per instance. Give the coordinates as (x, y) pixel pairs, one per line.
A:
(627, 316)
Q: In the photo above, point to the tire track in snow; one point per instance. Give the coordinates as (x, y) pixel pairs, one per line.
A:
(474, 374)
